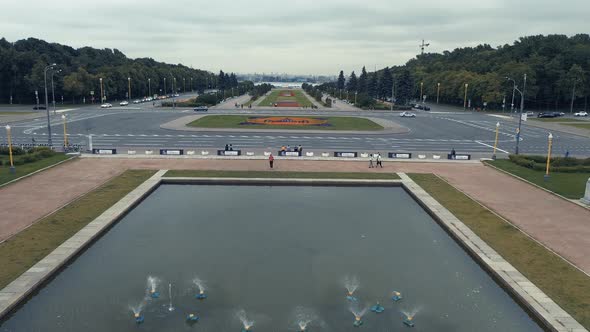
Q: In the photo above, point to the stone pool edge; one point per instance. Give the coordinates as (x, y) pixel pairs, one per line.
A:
(551, 316)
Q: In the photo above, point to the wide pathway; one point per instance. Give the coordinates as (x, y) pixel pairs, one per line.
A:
(562, 226)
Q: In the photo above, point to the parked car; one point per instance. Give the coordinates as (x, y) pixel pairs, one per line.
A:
(136, 101)
(581, 113)
(38, 107)
(529, 113)
(407, 115)
(547, 115)
(422, 107)
(124, 103)
(201, 109)
(106, 105)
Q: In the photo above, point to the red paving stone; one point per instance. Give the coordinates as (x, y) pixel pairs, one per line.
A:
(560, 225)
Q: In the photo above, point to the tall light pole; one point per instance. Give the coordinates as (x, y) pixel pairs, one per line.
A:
(521, 110)
(465, 98)
(101, 91)
(573, 97)
(421, 90)
(173, 85)
(149, 87)
(191, 84)
(512, 103)
(12, 169)
(355, 94)
(496, 140)
(550, 137)
(49, 139)
(129, 88)
(64, 118)
(183, 85)
(437, 91)
(53, 90)
(165, 86)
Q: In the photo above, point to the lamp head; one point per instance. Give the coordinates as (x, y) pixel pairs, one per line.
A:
(7, 127)
(63, 116)
(550, 136)
(497, 124)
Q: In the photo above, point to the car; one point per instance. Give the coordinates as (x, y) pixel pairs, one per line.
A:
(581, 113)
(201, 109)
(547, 115)
(106, 105)
(422, 107)
(136, 101)
(124, 103)
(407, 115)
(529, 113)
(38, 107)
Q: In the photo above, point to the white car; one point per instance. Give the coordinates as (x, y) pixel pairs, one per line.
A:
(581, 113)
(529, 113)
(136, 101)
(407, 115)
(106, 105)
(124, 103)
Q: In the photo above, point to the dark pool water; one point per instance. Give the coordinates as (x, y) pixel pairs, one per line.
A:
(270, 251)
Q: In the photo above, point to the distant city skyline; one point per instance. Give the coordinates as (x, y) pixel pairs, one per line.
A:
(299, 38)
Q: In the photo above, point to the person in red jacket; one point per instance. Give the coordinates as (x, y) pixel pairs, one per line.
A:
(271, 160)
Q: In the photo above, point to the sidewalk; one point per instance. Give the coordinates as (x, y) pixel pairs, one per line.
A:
(560, 225)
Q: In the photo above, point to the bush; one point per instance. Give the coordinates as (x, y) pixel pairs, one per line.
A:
(558, 164)
(15, 151)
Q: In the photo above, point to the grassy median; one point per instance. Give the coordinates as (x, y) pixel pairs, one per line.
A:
(22, 170)
(275, 97)
(22, 251)
(565, 284)
(237, 121)
(570, 185)
(282, 175)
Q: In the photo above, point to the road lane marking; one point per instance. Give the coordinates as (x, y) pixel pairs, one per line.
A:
(491, 146)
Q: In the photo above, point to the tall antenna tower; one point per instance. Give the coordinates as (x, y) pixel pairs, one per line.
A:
(422, 46)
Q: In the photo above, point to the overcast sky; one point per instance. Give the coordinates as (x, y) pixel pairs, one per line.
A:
(287, 36)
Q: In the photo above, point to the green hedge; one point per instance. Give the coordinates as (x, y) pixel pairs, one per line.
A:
(28, 156)
(558, 164)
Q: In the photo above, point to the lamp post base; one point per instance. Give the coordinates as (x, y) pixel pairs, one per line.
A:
(493, 157)
(12, 170)
(546, 177)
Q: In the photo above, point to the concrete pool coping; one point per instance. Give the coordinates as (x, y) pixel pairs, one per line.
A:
(538, 304)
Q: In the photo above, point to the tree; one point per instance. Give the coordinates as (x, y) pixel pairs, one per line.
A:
(372, 85)
(351, 86)
(385, 85)
(405, 87)
(363, 81)
(573, 83)
(341, 81)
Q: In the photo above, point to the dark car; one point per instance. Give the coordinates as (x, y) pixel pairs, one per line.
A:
(38, 107)
(547, 115)
(422, 107)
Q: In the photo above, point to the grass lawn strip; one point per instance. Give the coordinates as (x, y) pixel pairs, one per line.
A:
(234, 121)
(22, 170)
(578, 125)
(25, 249)
(282, 175)
(566, 285)
(569, 185)
(557, 120)
(275, 97)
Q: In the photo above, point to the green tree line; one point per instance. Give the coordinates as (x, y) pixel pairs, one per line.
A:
(78, 72)
(557, 69)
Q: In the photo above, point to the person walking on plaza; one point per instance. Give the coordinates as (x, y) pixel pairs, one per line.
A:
(370, 161)
(379, 161)
(271, 160)
(453, 153)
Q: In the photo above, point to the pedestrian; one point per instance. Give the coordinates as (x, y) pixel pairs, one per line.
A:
(567, 153)
(271, 160)
(453, 153)
(379, 161)
(231, 148)
(371, 161)
(226, 147)
(300, 148)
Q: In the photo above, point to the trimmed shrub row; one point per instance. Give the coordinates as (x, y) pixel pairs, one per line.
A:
(29, 156)
(558, 164)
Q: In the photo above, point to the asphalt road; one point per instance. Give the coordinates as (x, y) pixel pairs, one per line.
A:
(440, 130)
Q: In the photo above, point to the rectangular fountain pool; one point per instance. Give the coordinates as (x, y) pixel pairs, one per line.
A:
(280, 253)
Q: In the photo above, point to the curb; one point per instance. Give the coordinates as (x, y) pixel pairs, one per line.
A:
(37, 171)
(573, 201)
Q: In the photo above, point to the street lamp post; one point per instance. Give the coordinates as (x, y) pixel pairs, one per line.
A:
(149, 87)
(550, 143)
(421, 90)
(129, 88)
(49, 139)
(12, 169)
(53, 91)
(174, 85)
(64, 118)
(521, 110)
(496, 140)
(191, 84)
(101, 91)
(355, 94)
(465, 97)
(573, 97)
(37, 98)
(165, 86)
(437, 91)
(183, 85)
